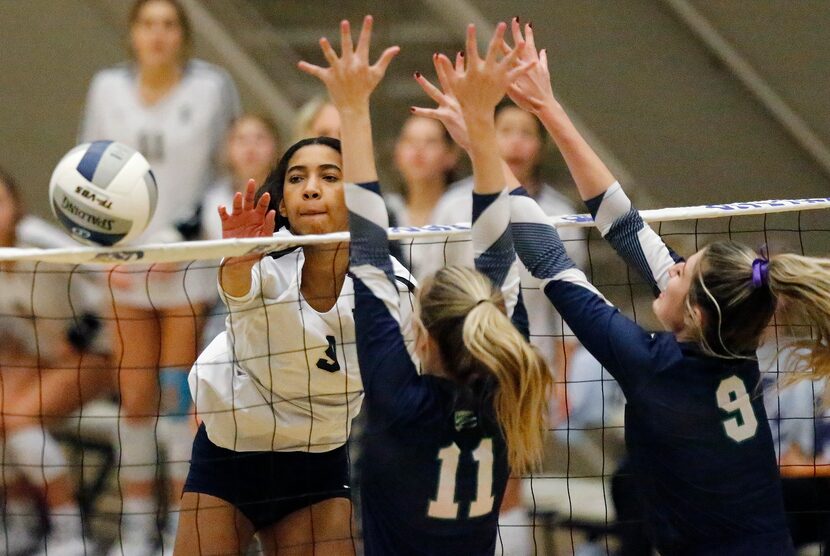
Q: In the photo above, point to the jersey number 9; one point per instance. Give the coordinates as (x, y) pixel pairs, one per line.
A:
(733, 398)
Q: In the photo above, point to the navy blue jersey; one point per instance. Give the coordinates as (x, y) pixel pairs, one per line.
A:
(434, 463)
(696, 428)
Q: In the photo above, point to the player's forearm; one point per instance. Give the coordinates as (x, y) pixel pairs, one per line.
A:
(537, 242)
(510, 178)
(488, 175)
(358, 148)
(591, 175)
(235, 274)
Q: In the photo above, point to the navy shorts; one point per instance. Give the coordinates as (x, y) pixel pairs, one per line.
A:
(267, 486)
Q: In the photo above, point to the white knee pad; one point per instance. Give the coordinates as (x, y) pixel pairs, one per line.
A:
(138, 451)
(35, 454)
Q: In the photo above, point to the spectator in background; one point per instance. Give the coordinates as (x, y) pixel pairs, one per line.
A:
(317, 118)
(800, 423)
(252, 149)
(426, 157)
(54, 359)
(176, 111)
(251, 152)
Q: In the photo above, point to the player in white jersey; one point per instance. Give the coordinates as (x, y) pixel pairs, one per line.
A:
(54, 359)
(278, 390)
(175, 111)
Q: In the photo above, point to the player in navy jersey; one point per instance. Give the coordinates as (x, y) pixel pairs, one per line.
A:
(438, 446)
(697, 435)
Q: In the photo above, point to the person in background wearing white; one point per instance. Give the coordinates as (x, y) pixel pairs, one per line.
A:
(426, 156)
(251, 152)
(176, 111)
(54, 359)
(800, 423)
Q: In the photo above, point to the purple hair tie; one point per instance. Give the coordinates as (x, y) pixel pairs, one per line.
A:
(760, 272)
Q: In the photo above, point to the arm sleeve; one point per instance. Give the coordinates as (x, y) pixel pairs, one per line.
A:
(390, 379)
(626, 350)
(493, 250)
(254, 295)
(634, 240)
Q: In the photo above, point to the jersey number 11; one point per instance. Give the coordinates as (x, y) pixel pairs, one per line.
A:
(444, 506)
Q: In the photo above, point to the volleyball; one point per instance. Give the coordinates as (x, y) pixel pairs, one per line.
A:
(103, 193)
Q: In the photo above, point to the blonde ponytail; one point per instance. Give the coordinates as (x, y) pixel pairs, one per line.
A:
(521, 401)
(802, 286)
(464, 313)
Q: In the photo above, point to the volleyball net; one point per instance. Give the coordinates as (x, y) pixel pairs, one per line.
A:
(84, 364)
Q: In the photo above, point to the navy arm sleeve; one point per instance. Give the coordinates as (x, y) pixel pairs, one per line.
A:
(495, 254)
(634, 240)
(493, 250)
(390, 379)
(618, 343)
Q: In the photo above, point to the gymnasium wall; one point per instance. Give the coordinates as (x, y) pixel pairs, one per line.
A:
(681, 125)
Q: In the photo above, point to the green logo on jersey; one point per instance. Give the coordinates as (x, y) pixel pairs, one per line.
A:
(465, 419)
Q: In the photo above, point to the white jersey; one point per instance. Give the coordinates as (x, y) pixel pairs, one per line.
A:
(180, 135)
(41, 302)
(284, 377)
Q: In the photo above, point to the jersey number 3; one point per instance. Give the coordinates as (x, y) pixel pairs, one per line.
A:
(331, 365)
(444, 506)
(733, 398)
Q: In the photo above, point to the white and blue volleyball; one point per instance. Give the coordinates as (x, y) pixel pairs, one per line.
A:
(103, 193)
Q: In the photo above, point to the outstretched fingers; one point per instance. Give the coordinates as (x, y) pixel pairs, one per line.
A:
(248, 198)
(471, 44)
(495, 42)
(520, 70)
(365, 38)
(311, 69)
(529, 38)
(237, 203)
(346, 46)
(431, 90)
(431, 113)
(270, 223)
(386, 59)
(543, 61)
(443, 65)
(328, 51)
(262, 204)
(514, 55)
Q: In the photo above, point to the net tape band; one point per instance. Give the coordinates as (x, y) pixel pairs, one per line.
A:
(217, 249)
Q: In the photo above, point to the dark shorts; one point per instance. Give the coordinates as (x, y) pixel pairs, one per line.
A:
(267, 486)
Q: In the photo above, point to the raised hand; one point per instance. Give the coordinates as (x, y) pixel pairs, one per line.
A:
(448, 111)
(482, 83)
(532, 89)
(350, 79)
(248, 219)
